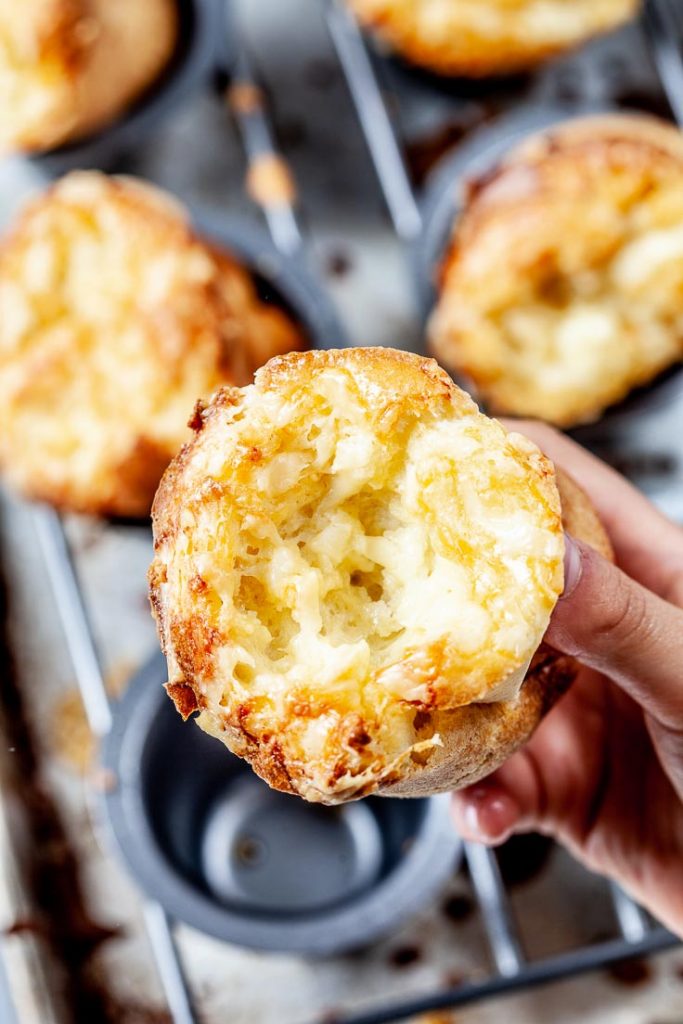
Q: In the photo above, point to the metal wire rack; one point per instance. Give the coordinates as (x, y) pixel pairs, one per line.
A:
(636, 934)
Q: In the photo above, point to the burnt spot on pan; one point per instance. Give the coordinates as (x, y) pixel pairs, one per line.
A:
(405, 956)
(337, 262)
(458, 908)
(631, 973)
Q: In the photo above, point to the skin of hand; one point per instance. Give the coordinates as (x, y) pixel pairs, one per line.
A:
(603, 773)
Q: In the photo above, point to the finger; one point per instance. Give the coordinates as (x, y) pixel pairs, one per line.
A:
(646, 543)
(505, 802)
(614, 625)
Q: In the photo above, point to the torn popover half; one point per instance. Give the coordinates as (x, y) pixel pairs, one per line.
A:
(354, 569)
(561, 290)
(115, 317)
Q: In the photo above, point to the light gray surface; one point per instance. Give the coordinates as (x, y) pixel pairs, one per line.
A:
(197, 155)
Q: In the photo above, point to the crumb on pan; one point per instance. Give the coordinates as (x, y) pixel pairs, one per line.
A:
(488, 37)
(561, 290)
(345, 549)
(114, 319)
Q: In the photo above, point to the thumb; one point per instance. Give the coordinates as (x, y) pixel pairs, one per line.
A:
(613, 624)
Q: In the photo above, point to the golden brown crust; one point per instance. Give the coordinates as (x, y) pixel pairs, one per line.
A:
(560, 290)
(69, 67)
(404, 377)
(336, 554)
(114, 318)
(184, 698)
(478, 738)
(476, 38)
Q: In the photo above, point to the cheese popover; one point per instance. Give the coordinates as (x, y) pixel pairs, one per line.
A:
(475, 38)
(68, 67)
(561, 290)
(114, 319)
(345, 551)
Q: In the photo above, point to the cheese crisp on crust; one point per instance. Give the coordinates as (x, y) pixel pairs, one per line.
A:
(68, 67)
(114, 319)
(488, 37)
(347, 547)
(562, 287)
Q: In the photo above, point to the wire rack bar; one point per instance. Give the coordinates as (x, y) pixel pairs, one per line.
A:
(74, 616)
(496, 912)
(378, 128)
(631, 919)
(80, 640)
(159, 928)
(246, 102)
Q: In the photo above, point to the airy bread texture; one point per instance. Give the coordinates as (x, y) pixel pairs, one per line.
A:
(476, 38)
(478, 738)
(562, 287)
(114, 319)
(69, 67)
(347, 550)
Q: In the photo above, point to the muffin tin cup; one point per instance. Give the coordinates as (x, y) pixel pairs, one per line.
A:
(282, 279)
(199, 47)
(225, 854)
(441, 205)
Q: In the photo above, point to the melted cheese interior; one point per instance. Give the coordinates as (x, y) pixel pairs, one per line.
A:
(359, 576)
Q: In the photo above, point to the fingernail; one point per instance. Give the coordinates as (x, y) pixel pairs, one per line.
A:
(484, 822)
(572, 565)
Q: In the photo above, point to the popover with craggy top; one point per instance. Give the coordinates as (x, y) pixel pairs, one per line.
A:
(476, 38)
(562, 289)
(115, 318)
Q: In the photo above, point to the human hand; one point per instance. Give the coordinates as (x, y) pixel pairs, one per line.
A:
(604, 772)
